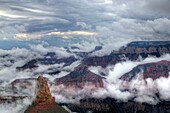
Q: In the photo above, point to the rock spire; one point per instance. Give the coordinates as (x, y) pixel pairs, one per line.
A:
(42, 93)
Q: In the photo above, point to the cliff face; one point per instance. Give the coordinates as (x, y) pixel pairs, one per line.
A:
(132, 52)
(150, 70)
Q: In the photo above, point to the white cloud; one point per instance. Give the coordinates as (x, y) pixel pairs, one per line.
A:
(10, 15)
(139, 89)
(25, 36)
(16, 107)
(64, 35)
(163, 85)
(60, 51)
(81, 33)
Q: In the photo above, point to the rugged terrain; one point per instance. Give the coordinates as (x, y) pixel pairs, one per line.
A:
(150, 70)
(79, 77)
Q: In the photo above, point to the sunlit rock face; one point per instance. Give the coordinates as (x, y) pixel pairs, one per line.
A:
(43, 95)
(44, 102)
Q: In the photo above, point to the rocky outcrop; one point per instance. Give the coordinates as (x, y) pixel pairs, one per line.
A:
(44, 102)
(43, 95)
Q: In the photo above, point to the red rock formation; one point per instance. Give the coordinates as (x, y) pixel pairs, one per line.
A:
(81, 77)
(43, 95)
(150, 70)
(132, 52)
(43, 99)
(44, 102)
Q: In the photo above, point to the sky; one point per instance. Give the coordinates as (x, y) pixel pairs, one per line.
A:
(97, 22)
